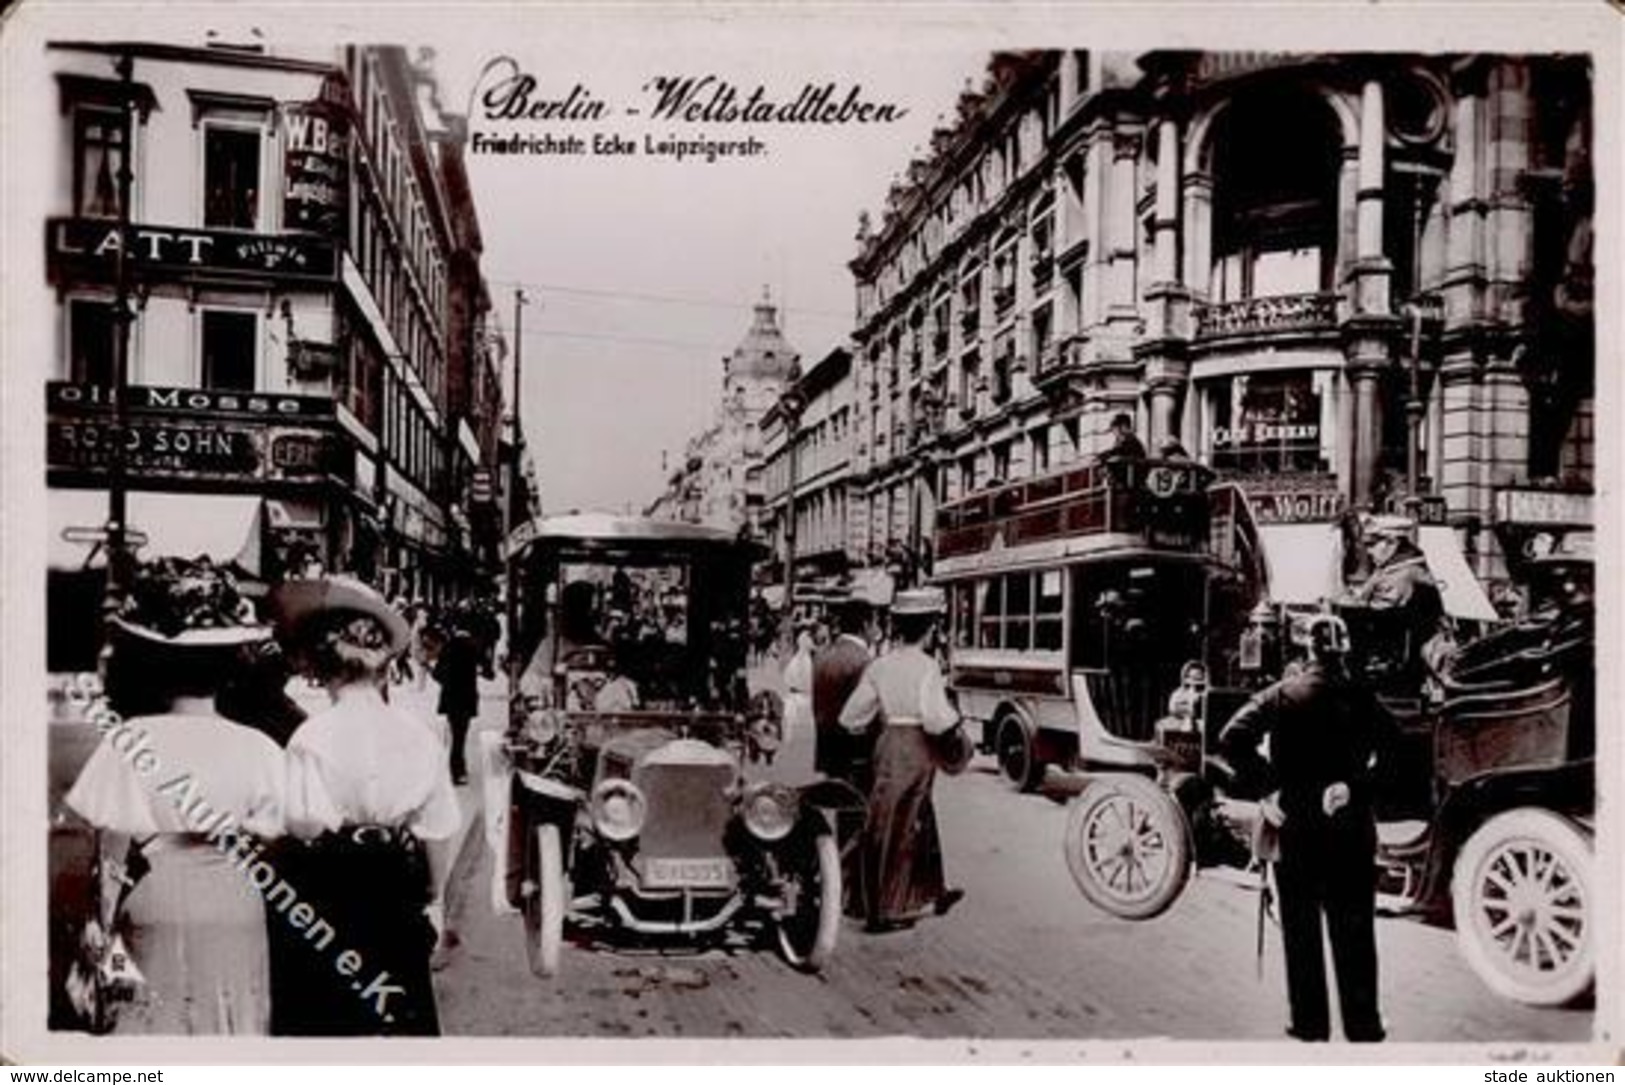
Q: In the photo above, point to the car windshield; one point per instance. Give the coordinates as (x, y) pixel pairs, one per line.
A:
(633, 632)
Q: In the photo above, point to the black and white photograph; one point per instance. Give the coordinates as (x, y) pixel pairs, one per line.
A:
(992, 530)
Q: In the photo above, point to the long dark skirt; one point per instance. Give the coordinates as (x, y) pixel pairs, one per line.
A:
(371, 978)
(902, 854)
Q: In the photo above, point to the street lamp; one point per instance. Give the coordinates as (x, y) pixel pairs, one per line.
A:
(511, 505)
(791, 404)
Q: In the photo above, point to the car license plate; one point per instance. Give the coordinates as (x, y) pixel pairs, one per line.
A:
(707, 873)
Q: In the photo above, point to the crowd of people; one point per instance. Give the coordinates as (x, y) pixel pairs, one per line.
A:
(240, 825)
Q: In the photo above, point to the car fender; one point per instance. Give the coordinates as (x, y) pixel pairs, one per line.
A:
(1567, 789)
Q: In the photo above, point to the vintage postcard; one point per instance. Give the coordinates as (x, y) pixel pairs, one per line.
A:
(819, 533)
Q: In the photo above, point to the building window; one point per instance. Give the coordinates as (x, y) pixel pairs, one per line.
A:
(98, 152)
(1266, 423)
(1040, 449)
(231, 177)
(90, 342)
(230, 341)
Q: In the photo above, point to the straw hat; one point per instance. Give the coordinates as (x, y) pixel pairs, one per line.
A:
(918, 601)
(295, 602)
(188, 604)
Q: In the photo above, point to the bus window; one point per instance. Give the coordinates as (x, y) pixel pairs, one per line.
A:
(1018, 611)
(962, 615)
(990, 612)
(1048, 612)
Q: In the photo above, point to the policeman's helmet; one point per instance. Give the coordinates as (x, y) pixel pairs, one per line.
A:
(1328, 636)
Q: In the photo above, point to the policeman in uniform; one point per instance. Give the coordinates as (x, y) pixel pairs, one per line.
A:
(1327, 734)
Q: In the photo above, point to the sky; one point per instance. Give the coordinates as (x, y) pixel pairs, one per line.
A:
(641, 271)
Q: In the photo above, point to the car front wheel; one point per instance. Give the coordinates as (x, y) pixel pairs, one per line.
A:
(1524, 906)
(544, 904)
(811, 919)
(1127, 846)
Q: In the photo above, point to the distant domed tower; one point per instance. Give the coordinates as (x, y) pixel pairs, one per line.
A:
(762, 365)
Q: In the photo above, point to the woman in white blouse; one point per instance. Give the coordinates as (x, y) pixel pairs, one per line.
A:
(182, 798)
(371, 802)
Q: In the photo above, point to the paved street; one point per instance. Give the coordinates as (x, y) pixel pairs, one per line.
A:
(1024, 957)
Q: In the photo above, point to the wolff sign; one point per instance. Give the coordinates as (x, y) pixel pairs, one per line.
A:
(91, 247)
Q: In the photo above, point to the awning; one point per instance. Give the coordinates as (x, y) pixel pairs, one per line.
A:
(1463, 595)
(1304, 562)
(225, 527)
(873, 586)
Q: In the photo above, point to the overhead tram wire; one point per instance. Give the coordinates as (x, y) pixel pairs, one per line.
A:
(668, 299)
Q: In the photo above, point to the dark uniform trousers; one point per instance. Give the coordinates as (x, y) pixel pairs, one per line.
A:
(1330, 872)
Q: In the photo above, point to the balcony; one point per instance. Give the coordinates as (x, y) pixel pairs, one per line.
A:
(1043, 267)
(1003, 297)
(939, 341)
(969, 321)
(1285, 314)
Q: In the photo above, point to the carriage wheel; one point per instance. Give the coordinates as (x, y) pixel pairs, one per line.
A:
(1523, 904)
(1017, 748)
(544, 905)
(1127, 847)
(807, 934)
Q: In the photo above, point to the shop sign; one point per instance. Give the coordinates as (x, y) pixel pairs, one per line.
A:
(1297, 506)
(64, 397)
(315, 137)
(152, 446)
(299, 453)
(1554, 508)
(1249, 434)
(91, 247)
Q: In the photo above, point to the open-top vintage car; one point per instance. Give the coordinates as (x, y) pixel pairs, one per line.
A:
(641, 808)
(1486, 820)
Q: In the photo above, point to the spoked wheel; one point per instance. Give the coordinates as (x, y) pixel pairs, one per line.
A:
(1523, 902)
(808, 926)
(1017, 749)
(1127, 847)
(544, 904)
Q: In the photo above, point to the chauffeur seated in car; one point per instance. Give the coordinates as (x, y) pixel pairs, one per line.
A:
(574, 636)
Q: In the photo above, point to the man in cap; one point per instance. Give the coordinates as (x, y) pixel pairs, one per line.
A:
(1125, 445)
(1400, 582)
(1327, 736)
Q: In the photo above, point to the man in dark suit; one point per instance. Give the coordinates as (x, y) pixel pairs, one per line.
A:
(836, 670)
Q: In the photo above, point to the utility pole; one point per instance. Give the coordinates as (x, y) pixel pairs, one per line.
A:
(118, 558)
(515, 665)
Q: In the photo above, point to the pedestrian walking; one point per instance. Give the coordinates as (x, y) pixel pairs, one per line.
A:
(903, 690)
(190, 916)
(457, 671)
(372, 805)
(798, 674)
(1328, 734)
(836, 671)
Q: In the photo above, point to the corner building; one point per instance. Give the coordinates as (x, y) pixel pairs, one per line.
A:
(310, 378)
(1303, 268)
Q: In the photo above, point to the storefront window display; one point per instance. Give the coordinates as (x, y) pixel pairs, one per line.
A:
(1269, 423)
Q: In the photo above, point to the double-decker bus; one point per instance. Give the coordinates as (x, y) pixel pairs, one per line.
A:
(1077, 598)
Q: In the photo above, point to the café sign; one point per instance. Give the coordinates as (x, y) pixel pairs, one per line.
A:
(92, 246)
(1265, 433)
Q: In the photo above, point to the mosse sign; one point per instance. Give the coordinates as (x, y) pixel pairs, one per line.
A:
(61, 395)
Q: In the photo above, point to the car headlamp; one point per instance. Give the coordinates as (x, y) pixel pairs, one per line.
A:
(769, 811)
(618, 809)
(543, 725)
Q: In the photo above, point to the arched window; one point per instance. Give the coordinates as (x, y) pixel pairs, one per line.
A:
(1275, 167)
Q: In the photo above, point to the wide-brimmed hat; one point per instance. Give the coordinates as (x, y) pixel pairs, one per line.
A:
(188, 604)
(918, 601)
(295, 602)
